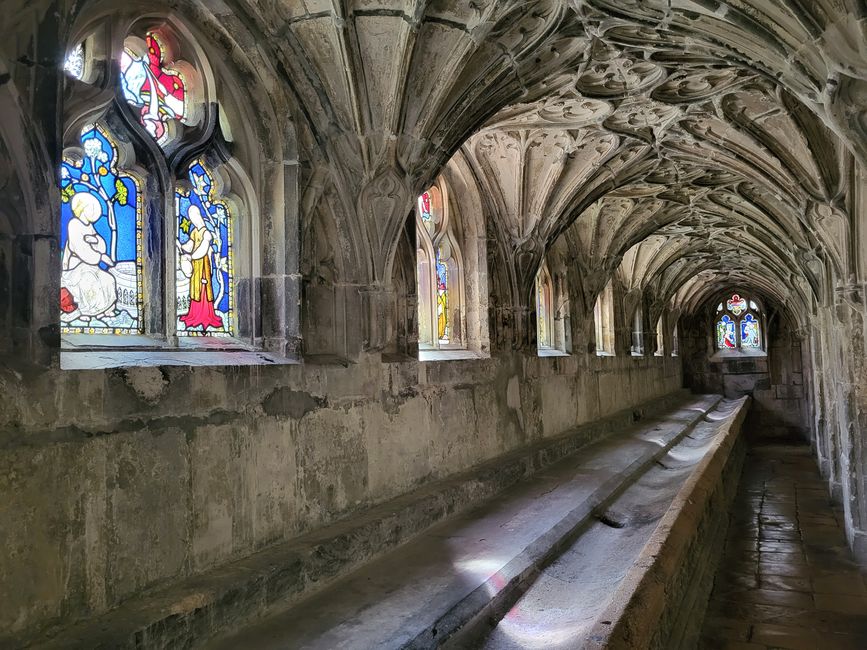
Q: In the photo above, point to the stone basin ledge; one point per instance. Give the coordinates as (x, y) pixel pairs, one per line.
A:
(661, 601)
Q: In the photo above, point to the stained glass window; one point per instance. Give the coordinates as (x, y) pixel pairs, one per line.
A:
(74, 63)
(150, 85)
(543, 309)
(442, 297)
(749, 332)
(101, 240)
(725, 333)
(428, 203)
(439, 271)
(205, 291)
(424, 207)
(736, 305)
(740, 325)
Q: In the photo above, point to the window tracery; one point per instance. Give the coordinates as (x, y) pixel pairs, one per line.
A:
(439, 273)
(113, 261)
(153, 86)
(738, 324)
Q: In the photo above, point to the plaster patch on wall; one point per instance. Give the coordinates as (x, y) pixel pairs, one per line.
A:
(149, 384)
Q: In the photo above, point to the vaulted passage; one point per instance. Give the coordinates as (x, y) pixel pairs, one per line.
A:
(484, 300)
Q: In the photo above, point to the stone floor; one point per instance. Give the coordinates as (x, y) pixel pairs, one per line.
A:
(787, 579)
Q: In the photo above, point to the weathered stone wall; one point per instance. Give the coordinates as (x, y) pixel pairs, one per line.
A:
(115, 481)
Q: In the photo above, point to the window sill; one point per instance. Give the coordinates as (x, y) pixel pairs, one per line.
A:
(725, 355)
(95, 352)
(605, 354)
(551, 352)
(103, 359)
(447, 355)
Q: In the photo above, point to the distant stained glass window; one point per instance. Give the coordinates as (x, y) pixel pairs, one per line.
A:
(442, 297)
(205, 291)
(738, 326)
(424, 206)
(148, 84)
(101, 240)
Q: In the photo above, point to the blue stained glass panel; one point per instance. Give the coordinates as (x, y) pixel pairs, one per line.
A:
(101, 239)
(442, 298)
(749, 332)
(205, 275)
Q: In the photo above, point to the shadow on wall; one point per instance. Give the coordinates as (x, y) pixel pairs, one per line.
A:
(775, 380)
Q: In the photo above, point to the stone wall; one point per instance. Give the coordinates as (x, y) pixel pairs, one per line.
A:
(115, 481)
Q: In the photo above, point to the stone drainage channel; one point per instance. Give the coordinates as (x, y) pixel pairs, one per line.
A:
(563, 604)
(534, 567)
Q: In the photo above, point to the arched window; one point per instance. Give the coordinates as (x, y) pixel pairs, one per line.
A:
(675, 344)
(738, 324)
(440, 274)
(660, 338)
(638, 332)
(148, 233)
(544, 309)
(603, 316)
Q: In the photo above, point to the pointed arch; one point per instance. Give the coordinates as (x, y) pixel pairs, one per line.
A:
(544, 309)
(440, 273)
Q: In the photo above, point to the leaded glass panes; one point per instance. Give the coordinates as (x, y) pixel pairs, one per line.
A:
(156, 90)
(749, 332)
(73, 65)
(739, 326)
(426, 211)
(736, 305)
(725, 333)
(205, 291)
(442, 271)
(101, 239)
(438, 264)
